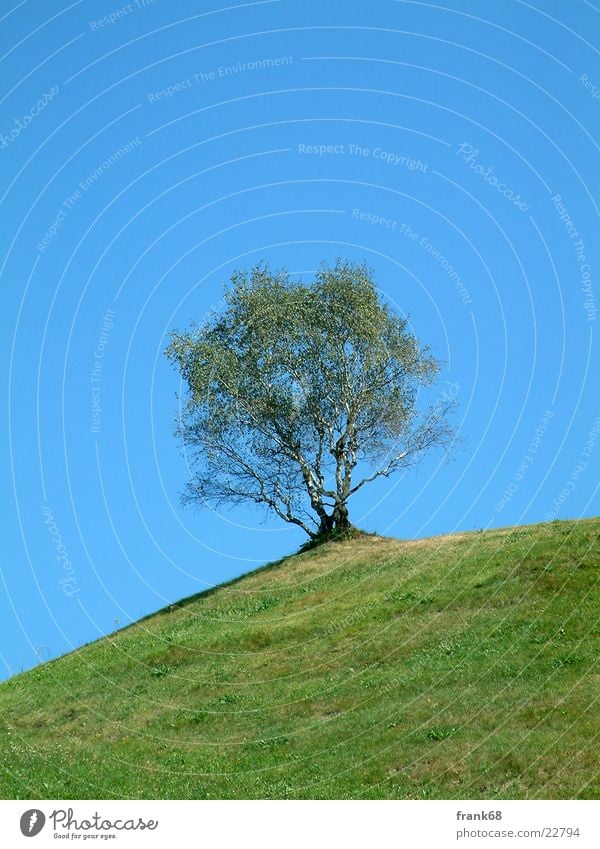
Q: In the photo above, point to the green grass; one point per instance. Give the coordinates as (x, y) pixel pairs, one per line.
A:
(455, 667)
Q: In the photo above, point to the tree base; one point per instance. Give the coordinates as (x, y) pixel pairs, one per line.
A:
(334, 535)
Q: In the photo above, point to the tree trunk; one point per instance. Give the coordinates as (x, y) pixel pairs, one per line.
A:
(340, 517)
(326, 525)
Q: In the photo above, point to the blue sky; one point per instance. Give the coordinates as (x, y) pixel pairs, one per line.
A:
(149, 149)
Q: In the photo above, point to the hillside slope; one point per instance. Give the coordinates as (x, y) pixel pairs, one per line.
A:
(454, 667)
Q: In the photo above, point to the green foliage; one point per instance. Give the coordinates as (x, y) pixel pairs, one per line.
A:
(296, 389)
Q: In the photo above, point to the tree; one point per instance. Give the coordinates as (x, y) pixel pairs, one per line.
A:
(301, 394)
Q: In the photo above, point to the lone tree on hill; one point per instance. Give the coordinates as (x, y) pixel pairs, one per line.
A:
(301, 394)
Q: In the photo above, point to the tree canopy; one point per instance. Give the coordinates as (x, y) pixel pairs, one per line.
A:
(300, 394)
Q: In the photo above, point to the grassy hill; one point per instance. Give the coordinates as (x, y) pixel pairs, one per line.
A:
(454, 667)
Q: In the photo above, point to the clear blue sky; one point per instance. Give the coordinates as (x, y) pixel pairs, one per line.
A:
(149, 149)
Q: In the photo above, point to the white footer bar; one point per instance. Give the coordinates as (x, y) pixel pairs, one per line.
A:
(291, 824)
